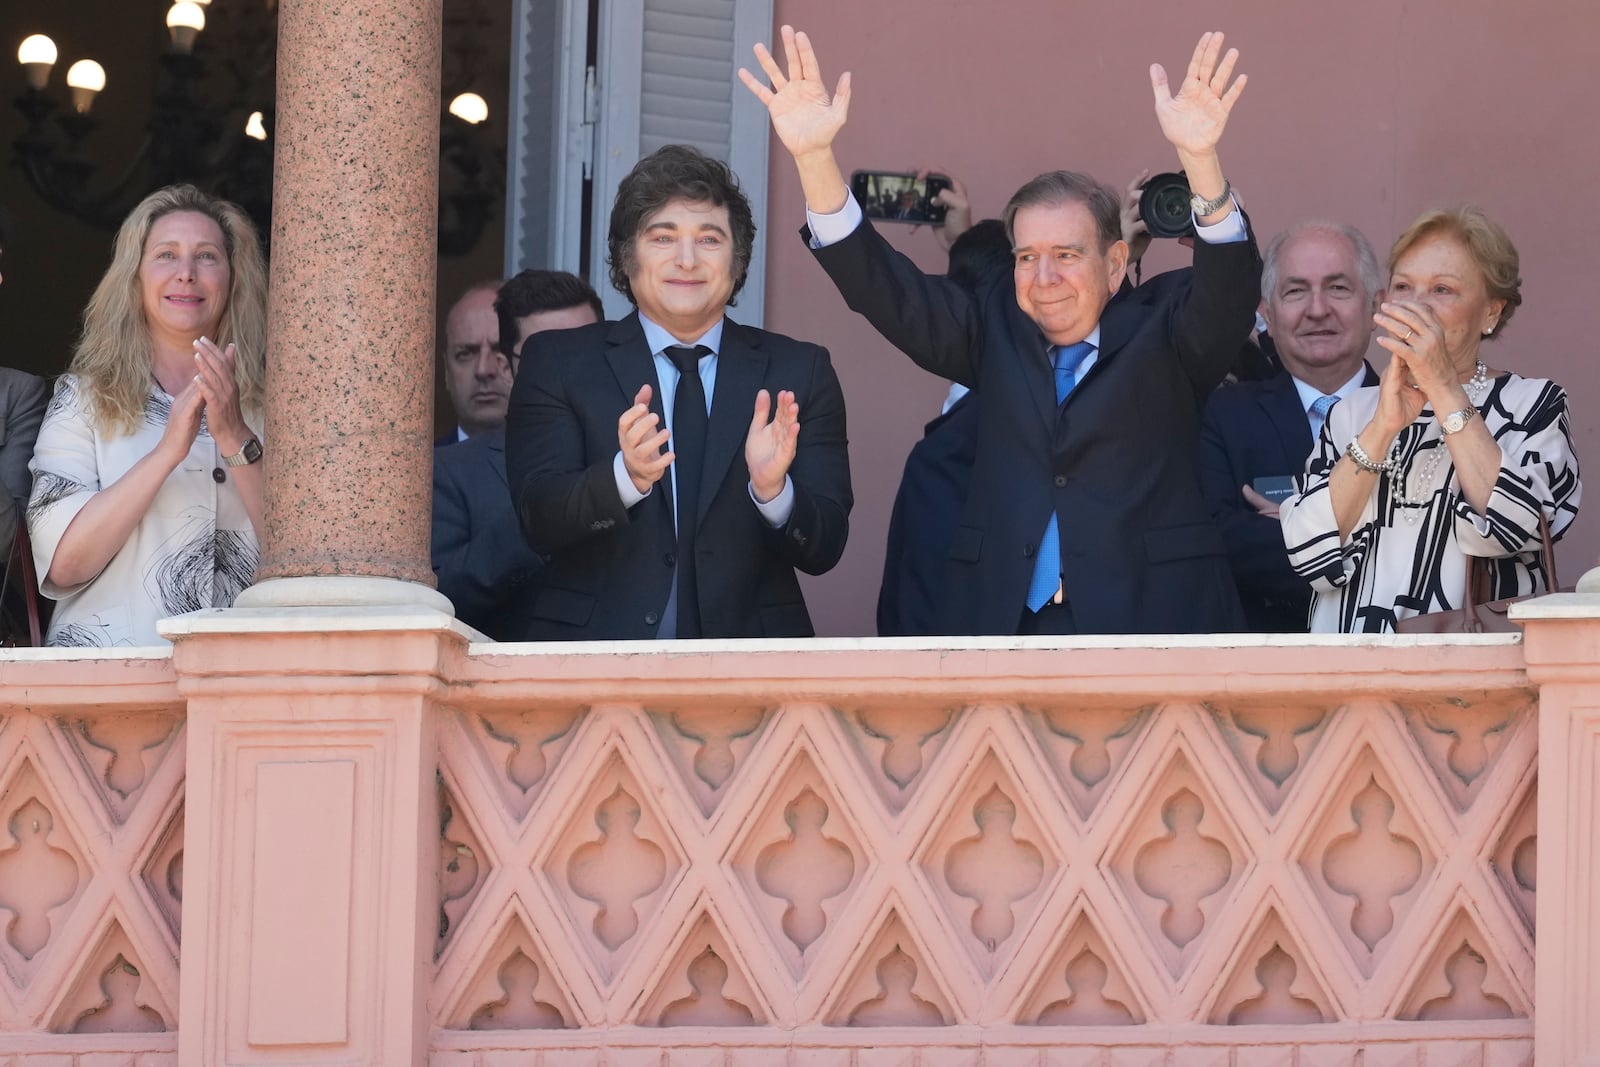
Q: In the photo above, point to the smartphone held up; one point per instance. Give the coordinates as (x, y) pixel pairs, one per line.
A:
(895, 196)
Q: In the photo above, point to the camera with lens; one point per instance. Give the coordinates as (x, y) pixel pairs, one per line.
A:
(1164, 205)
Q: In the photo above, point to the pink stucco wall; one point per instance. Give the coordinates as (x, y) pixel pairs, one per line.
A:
(1361, 111)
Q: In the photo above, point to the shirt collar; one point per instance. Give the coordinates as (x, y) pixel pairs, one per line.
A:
(1309, 394)
(659, 340)
(1092, 339)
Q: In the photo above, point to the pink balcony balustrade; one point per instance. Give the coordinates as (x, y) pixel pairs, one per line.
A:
(1145, 851)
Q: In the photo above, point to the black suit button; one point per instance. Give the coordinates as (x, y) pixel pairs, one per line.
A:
(219, 475)
(1027, 551)
(669, 559)
(1061, 481)
(651, 618)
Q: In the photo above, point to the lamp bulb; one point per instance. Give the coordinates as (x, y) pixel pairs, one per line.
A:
(37, 49)
(87, 75)
(188, 14)
(255, 127)
(469, 107)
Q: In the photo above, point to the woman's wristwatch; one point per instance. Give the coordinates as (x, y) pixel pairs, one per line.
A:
(1456, 421)
(248, 453)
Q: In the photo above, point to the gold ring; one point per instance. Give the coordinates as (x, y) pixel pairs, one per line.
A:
(1407, 337)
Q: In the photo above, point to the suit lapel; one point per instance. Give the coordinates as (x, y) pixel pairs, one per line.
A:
(1039, 376)
(633, 365)
(1281, 402)
(496, 443)
(741, 371)
(1118, 323)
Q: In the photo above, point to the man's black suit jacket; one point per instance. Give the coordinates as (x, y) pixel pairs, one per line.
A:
(480, 558)
(1118, 462)
(1257, 430)
(609, 568)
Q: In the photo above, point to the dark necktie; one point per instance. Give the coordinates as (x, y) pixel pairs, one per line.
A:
(1047, 564)
(689, 421)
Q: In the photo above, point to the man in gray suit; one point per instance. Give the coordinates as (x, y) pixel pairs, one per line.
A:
(480, 558)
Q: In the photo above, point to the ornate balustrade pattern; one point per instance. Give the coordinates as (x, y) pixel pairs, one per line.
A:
(1315, 853)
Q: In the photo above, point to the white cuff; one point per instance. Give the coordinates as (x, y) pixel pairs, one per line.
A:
(777, 510)
(625, 488)
(831, 229)
(1228, 231)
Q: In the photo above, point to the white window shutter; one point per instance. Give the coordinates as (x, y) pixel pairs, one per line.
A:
(668, 75)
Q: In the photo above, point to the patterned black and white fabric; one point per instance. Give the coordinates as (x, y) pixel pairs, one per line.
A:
(1404, 559)
(194, 548)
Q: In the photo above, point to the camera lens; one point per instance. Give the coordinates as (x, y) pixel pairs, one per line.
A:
(1164, 206)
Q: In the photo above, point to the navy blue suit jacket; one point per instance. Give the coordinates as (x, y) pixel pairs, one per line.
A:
(480, 558)
(1118, 462)
(609, 567)
(927, 510)
(1257, 430)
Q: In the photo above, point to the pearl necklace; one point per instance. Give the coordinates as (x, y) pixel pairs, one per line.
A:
(1427, 469)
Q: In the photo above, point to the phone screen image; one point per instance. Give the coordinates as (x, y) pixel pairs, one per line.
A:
(891, 196)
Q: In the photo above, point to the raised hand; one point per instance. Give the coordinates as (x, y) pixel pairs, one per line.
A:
(1194, 118)
(1416, 337)
(219, 388)
(1399, 399)
(769, 447)
(641, 443)
(803, 115)
(183, 423)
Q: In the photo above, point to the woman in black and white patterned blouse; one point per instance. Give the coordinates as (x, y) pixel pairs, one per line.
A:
(1447, 458)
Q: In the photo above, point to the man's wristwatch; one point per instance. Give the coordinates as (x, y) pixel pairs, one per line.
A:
(1456, 421)
(248, 453)
(1203, 207)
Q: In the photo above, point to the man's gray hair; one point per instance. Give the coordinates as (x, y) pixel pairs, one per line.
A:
(1369, 274)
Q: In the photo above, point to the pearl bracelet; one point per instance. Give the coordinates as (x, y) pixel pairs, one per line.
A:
(1364, 461)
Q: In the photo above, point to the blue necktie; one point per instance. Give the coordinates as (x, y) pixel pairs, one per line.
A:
(1047, 563)
(1319, 413)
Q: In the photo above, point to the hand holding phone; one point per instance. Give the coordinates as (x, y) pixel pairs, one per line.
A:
(896, 196)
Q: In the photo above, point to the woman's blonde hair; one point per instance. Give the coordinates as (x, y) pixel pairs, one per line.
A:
(113, 359)
(1485, 241)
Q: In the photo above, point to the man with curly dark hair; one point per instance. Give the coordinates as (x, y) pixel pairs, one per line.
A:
(623, 443)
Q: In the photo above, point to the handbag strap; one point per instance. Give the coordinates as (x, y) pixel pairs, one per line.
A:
(1480, 576)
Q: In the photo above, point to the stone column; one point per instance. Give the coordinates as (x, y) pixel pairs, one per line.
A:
(1562, 648)
(311, 825)
(311, 833)
(354, 232)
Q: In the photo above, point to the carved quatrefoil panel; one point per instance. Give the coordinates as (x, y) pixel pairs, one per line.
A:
(1083, 983)
(1461, 741)
(113, 992)
(1272, 980)
(897, 744)
(1515, 858)
(464, 866)
(990, 863)
(120, 752)
(162, 874)
(514, 988)
(1367, 858)
(1272, 742)
(1461, 979)
(1178, 862)
(705, 983)
(892, 983)
(800, 860)
(708, 745)
(518, 748)
(43, 870)
(612, 864)
(1087, 746)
